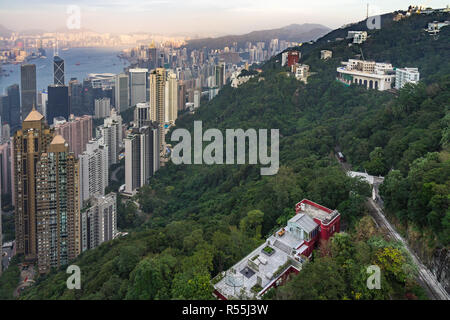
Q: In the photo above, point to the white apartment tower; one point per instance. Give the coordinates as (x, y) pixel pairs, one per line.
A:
(406, 75)
(110, 134)
(94, 166)
(171, 101)
(99, 221)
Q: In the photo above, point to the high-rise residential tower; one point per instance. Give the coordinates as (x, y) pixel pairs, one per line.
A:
(93, 170)
(28, 145)
(57, 203)
(14, 105)
(141, 156)
(157, 100)
(110, 134)
(171, 101)
(28, 88)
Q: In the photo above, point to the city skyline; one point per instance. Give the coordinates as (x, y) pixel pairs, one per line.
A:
(171, 17)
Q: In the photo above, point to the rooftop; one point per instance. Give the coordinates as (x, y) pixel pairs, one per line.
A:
(34, 115)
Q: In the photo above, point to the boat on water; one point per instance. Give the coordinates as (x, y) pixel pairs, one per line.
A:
(77, 64)
(43, 57)
(65, 49)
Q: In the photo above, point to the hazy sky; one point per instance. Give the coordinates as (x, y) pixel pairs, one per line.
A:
(193, 16)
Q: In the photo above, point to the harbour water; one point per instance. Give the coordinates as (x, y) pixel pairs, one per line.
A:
(79, 62)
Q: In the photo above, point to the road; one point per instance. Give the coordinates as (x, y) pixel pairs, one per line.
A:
(425, 277)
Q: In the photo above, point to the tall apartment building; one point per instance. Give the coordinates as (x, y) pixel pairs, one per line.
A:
(142, 114)
(102, 108)
(99, 221)
(406, 75)
(141, 156)
(121, 93)
(110, 134)
(28, 88)
(57, 204)
(94, 167)
(77, 132)
(138, 86)
(28, 145)
(157, 100)
(171, 101)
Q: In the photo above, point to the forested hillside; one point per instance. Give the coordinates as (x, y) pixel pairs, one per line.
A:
(199, 220)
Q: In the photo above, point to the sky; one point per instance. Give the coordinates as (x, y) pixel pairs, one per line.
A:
(193, 17)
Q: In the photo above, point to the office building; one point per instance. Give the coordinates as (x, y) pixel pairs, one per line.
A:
(99, 221)
(94, 167)
(110, 134)
(406, 75)
(42, 103)
(138, 86)
(5, 167)
(58, 71)
(157, 100)
(57, 206)
(102, 108)
(13, 93)
(141, 156)
(58, 104)
(28, 88)
(121, 93)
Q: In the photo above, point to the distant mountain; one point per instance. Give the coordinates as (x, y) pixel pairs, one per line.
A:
(5, 32)
(293, 32)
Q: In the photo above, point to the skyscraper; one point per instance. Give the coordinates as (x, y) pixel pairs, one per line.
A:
(141, 156)
(94, 167)
(157, 100)
(58, 71)
(28, 88)
(58, 103)
(121, 93)
(171, 101)
(99, 221)
(77, 131)
(138, 86)
(110, 134)
(14, 105)
(57, 202)
(28, 145)
(141, 115)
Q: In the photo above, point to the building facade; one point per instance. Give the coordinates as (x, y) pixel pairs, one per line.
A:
(141, 156)
(77, 132)
(94, 167)
(157, 101)
(58, 104)
(370, 74)
(121, 93)
(138, 86)
(57, 202)
(406, 75)
(110, 134)
(27, 88)
(99, 221)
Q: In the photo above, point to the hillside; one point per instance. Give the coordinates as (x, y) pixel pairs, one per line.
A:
(293, 32)
(201, 219)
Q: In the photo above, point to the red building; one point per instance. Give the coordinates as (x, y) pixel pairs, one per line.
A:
(293, 58)
(283, 253)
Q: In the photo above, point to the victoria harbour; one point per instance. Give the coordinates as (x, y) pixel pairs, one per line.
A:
(79, 63)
